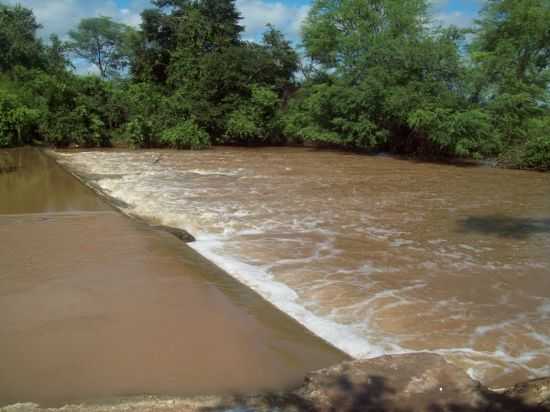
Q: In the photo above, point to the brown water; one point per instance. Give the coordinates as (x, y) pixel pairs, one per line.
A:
(95, 306)
(374, 254)
(40, 185)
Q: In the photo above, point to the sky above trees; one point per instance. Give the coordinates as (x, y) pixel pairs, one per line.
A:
(375, 75)
(59, 16)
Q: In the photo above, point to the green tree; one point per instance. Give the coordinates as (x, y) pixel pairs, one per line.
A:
(18, 42)
(193, 50)
(511, 61)
(56, 55)
(281, 60)
(378, 62)
(255, 120)
(353, 35)
(174, 26)
(512, 46)
(186, 135)
(102, 42)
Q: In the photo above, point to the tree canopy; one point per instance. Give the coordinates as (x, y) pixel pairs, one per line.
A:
(18, 42)
(102, 42)
(379, 75)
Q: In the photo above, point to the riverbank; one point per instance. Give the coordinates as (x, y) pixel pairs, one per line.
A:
(96, 306)
(411, 383)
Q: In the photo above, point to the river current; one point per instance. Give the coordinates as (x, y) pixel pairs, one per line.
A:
(373, 254)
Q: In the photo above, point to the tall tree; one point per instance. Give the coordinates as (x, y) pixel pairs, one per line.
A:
(283, 59)
(56, 55)
(354, 34)
(223, 19)
(102, 42)
(18, 42)
(512, 45)
(511, 56)
(387, 79)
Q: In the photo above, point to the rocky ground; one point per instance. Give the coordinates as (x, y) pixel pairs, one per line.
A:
(403, 383)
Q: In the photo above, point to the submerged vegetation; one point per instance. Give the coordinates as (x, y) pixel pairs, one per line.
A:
(375, 75)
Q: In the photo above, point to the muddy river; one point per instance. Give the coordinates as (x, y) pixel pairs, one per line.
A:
(95, 306)
(373, 254)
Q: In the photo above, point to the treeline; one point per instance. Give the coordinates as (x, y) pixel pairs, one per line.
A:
(375, 75)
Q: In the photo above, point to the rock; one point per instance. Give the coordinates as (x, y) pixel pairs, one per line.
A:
(416, 382)
(179, 233)
(532, 393)
(401, 383)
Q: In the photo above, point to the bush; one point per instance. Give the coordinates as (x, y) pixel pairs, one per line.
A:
(243, 126)
(510, 113)
(256, 119)
(149, 112)
(534, 153)
(334, 114)
(139, 131)
(61, 129)
(457, 133)
(186, 135)
(79, 126)
(17, 121)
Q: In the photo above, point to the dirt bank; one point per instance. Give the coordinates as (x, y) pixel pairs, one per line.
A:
(404, 383)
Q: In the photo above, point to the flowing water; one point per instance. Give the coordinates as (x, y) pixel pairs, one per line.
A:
(375, 255)
(38, 185)
(96, 306)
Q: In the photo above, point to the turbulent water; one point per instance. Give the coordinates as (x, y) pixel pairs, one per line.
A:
(373, 254)
(95, 306)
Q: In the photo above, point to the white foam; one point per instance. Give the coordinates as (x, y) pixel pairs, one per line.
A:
(341, 336)
(178, 197)
(218, 172)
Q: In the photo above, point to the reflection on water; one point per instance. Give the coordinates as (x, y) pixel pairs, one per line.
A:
(374, 254)
(518, 228)
(38, 185)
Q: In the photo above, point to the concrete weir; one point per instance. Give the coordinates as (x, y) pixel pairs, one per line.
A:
(95, 306)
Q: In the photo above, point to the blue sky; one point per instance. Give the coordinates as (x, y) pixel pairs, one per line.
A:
(58, 16)
(458, 12)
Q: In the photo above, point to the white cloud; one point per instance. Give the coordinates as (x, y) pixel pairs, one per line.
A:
(84, 67)
(456, 18)
(258, 13)
(463, 17)
(60, 16)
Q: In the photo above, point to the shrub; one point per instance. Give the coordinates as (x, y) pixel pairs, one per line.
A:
(139, 131)
(186, 135)
(256, 119)
(534, 152)
(17, 121)
(337, 114)
(243, 125)
(79, 126)
(61, 129)
(458, 133)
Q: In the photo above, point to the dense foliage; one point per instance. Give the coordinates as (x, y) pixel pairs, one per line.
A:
(378, 75)
(388, 78)
(102, 42)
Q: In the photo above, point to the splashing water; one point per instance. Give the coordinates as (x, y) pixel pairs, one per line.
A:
(373, 254)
